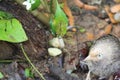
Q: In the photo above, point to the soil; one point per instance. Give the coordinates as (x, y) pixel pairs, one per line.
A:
(77, 44)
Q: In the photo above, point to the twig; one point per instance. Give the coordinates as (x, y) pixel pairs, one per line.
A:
(42, 77)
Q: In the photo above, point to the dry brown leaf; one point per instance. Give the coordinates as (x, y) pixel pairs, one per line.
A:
(107, 9)
(108, 29)
(101, 33)
(90, 36)
(116, 30)
(115, 8)
(68, 13)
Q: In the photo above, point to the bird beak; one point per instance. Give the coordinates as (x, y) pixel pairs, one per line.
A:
(88, 58)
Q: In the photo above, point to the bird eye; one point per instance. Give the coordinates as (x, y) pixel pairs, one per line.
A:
(99, 56)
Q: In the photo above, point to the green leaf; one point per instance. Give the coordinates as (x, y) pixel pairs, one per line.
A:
(28, 72)
(59, 22)
(82, 30)
(35, 5)
(1, 75)
(11, 30)
(5, 15)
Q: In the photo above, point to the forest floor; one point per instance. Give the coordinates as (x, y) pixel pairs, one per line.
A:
(90, 26)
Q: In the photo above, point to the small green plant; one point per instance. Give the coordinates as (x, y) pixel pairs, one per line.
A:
(42, 77)
(57, 19)
(28, 72)
(4, 15)
(11, 29)
(82, 30)
(1, 75)
(59, 22)
(31, 4)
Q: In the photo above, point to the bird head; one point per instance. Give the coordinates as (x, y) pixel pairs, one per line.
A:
(104, 49)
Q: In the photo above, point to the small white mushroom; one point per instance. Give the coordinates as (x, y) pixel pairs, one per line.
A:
(54, 51)
(57, 42)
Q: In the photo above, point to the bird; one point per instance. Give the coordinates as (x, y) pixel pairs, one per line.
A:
(103, 59)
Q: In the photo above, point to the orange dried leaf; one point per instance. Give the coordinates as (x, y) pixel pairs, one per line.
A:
(90, 36)
(68, 13)
(108, 29)
(101, 33)
(110, 14)
(88, 7)
(115, 8)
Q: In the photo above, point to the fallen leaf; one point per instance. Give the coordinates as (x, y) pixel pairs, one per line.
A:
(68, 13)
(90, 36)
(82, 30)
(107, 8)
(108, 29)
(115, 8)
